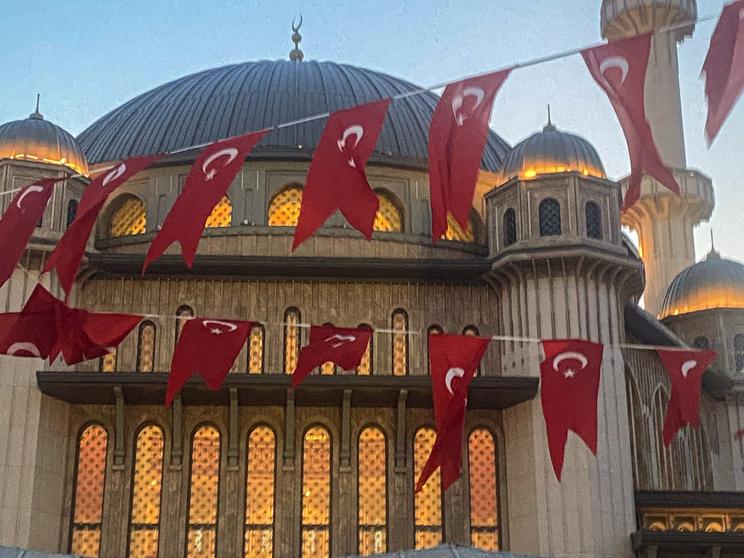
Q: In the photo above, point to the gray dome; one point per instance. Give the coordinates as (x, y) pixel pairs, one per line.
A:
(551, 151)
(715, 282)
(232, 100)
(38, 140)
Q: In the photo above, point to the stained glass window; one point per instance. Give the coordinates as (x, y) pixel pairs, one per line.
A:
(510, 227)
(366, 365)
(284, 209)
(316, 493)
(292, 319)
(484, 510)
(72, 207)
(433, 330)
(259, 497)
(388, 217)
(204, 483)
(146, 347)
(221, 215)
(550, 217)
(107, 363)
(256, 350)
(455, 232)
(87, 501)
(428, 502)
(144, 519)
(372, 482)
(400, 342)
(129, 218)
(593, 220)
(182, 316)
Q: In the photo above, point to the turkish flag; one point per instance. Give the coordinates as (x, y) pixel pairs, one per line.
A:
(19, 221)
(32, 332)
(457, 135)
(453, 360)
(724, 67)
(336, 178)
(206, 347)
(620, 69)
(569, 387)
(685, 369)
(343, 346)
(206, 184)
(69, 251)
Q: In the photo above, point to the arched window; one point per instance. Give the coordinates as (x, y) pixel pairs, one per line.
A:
(701, 342)
(204, 485)
(256, 350)
(129, 218)
(550, 217)
(284, 209)
(260, 494)
(182, 316)
(593, 220)
(292, 319)
(433, 330)
(146, 347)
(87, 500)
(510, 227)
(454, 230)
(366, 365)
(107, 363)
(427, 503)
(739, 352)
(221, 215)
(328, 368)
(147, 484)
(316, 493)
(663, 472)
(474, 332)
(72, 207)
(389, 217)
(372, 485)
(400, 342)
(484, 501)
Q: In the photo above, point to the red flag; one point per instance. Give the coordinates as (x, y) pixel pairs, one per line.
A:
(336, 178)
(569, 387)
(724, 67)
(343, 346)
(69, 251)
(31, 332)
(208, 348)
(19, 221)
(453, 360)
(685, 370)
(206, 184)
(620, 69)
(457, 135)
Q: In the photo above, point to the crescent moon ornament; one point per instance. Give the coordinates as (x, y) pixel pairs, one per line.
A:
(24, 346)
(207, 323)
(358, 132)
(570, 355)
(114, 174)
(341, 339)
(450, 375)
(229, 152)
(26, 192)
(476, 92)
(687, 366)
(615, 62)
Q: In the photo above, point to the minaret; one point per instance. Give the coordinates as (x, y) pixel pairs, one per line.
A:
(664, 222)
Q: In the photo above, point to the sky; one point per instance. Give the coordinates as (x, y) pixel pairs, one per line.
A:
(87, 57)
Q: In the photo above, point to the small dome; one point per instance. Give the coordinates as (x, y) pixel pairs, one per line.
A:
(36, 139)
(715, 282)
(551, 151)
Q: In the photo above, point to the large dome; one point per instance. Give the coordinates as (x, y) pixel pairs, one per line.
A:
(36, 139)
(232, 100)
(715, 282)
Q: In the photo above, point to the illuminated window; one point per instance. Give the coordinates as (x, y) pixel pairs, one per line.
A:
(366, 365)
(292, 319)
(256, 350)
(182, 316)
(454, 231)
(510, 227)
(107, 363)
(433, 330)
(400, 342)
(739, 352)
(204, 484)
(550, 217)
(87, 500)
(259, 496)
(129, 218)
(484, 507)
(72, 207)
(328, 368)
(701, 343)
(284, 209)
(221, 215)
(593, 220)
(144, 518)
(316, 493)
(388, 217)
(146, 347)
(428, 502)
(372, 482)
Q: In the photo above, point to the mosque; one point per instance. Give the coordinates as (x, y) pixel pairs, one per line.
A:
(93, 464)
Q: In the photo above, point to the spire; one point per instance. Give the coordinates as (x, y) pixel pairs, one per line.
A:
(36, 114)
(296, 54)
(549, 126)
(713, 252)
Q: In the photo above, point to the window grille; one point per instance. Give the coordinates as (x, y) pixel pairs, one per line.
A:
(388, 217)
(260, 494)
(256, 350)
(129, 218)
(146, 347)
(550, 217)
(483, 480)
(147, 483)
(72, 207)
(400, 342)
(316, 494)
(455, 232)
(427, 503)
(739, 352)
(204, 482)
(510, 227)
(593, 220)
(701, 343)
(292, 318)
(366, 365)
(182, 316)
(284, 209)
(107, 363)
(221, 215)
(372, 498)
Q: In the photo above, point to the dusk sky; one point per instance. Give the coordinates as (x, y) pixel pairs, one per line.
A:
(88, 57)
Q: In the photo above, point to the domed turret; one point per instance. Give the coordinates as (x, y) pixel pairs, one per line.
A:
(39, 140)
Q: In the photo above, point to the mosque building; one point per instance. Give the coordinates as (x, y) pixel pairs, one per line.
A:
(93, 464)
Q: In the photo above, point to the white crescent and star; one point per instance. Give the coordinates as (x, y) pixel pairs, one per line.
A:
(354, 130)
(451, 374)
(26, 192)
(341, 339)
(687, 366)
(618, 62)
(23, 347)
(476, 92)
(229, 152)
(114, 174)
(570, 355)
(212, 325)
